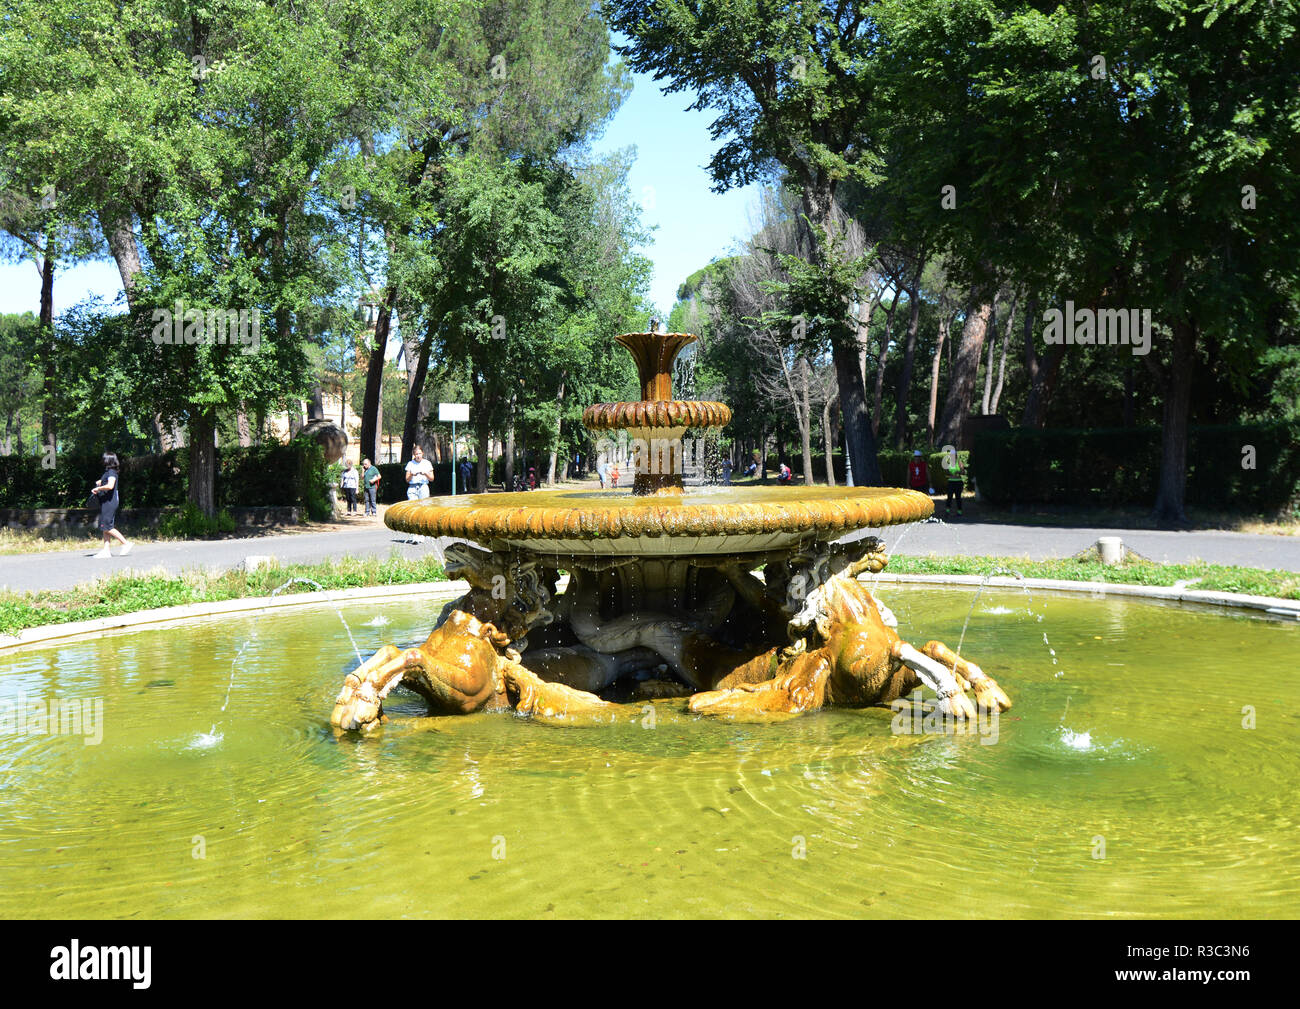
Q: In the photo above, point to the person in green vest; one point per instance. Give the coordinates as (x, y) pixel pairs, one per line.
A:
(956, 482)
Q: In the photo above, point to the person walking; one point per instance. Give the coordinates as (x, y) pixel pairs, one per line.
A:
(351, 483)
(466, 474)
(726, 469)
(956, 482)
(107, 493)
(419, 471)
(370, 478)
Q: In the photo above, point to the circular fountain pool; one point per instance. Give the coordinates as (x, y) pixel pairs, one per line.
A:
(1123, 783)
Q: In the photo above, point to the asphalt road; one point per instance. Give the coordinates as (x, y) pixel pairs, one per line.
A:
(64, 569)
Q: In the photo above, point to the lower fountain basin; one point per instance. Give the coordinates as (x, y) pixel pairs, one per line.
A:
(615, 523)
(481, 816)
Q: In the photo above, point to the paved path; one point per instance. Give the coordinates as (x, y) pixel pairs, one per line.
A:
(64, 569)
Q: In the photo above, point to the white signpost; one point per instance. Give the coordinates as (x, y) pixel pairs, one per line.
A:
(453, 412)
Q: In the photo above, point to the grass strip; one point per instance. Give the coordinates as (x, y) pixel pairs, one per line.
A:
(1208, 577)
(131, 592)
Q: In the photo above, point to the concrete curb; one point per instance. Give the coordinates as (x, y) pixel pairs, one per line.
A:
(1178, 593)
(450, 590)
(171, 614)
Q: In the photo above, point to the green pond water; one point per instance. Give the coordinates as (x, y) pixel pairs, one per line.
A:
(1130, 737)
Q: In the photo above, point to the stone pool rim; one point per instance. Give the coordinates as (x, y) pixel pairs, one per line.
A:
(448, 590)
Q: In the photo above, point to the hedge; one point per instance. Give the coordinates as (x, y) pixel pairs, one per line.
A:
(392, 481)
(1121, 466)
(893, 468)
(260, 475)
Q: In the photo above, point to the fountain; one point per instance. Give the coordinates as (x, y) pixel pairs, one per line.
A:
(739, 599)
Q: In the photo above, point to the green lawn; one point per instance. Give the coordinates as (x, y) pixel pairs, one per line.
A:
(128, 593)
(1216, 577)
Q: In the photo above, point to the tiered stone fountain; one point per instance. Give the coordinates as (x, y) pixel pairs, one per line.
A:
(738, 598)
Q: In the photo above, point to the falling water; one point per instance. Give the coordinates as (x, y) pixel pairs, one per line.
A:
(231, 685)
(1029, 608)
(321, 588)
(902, 536)
(212, 737)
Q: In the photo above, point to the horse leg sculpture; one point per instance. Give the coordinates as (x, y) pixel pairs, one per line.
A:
(988, 694)
(801, 688)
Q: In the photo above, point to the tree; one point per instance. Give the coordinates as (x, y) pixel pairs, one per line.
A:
(1111, 154)
(794, 86)
(522, 79)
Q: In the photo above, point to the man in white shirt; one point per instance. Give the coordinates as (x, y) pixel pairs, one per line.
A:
(419, 471)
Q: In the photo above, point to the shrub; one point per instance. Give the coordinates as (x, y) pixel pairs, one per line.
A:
(190, 523)
(262, 475)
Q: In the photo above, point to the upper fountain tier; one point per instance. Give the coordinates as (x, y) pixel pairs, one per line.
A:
(657, 519)
(657, 419)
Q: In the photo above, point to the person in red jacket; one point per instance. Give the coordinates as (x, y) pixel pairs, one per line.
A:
(918, 475)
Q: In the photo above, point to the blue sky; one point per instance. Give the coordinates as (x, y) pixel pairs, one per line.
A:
(693, 224)
(670, 179)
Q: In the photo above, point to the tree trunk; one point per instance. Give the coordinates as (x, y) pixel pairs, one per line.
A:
(828, 440)
(509, 452)
(880, 365)
(988, 365)
(805, 425)
(961, 382)
(864, 327)
(203, 461)
(859, 441)
(417, 371)
(45, 341)
(909, 356)
(1171, 497)
(819, 202)
(945, 321)
(1002, 360)
(1042, 370)
(484, 475)
(559, 426)
(119, 233)
(241, 426)
(370, 407)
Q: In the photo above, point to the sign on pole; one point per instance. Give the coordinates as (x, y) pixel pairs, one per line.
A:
(453, 412)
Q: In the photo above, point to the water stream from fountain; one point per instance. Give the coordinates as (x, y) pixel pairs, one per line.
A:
(212, 737)
(332, 602)
(1029, 608)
